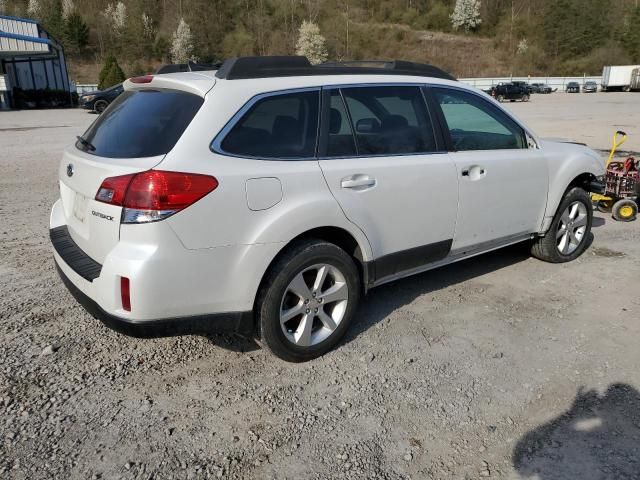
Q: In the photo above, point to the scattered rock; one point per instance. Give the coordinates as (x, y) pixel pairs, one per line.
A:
(367, 357)
(49, 350)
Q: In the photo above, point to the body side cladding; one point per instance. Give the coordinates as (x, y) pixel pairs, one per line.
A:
(375, 279)
(403, 261)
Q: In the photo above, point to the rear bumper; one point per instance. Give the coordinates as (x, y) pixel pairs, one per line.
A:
(236, 322)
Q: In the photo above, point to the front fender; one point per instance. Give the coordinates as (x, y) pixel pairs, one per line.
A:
(566, 162)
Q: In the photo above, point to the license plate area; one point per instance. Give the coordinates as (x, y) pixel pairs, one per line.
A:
(80, 207)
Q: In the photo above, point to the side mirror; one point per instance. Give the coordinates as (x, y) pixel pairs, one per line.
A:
(367, 125)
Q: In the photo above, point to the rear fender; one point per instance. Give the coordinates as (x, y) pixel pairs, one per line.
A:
(304, 216)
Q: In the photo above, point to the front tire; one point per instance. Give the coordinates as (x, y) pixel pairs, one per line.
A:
(308, 300)
(568, 235)
(100, 106)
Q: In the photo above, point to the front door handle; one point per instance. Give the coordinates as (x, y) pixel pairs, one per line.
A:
(475, 172)
(358, 182)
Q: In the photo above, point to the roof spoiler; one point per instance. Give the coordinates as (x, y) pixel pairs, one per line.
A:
(187, 67)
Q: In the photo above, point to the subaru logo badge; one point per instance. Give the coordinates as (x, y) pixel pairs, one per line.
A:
(70, 170)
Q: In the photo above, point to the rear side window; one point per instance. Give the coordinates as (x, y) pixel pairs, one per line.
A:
(390, 120)
(279, 126)
(142, 123)
(475, 124)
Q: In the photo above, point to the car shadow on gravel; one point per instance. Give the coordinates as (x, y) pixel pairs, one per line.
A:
(232, 342)
(384, 300)
(597, 438)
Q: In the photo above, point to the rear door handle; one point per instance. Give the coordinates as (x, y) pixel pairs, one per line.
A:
(358, 182)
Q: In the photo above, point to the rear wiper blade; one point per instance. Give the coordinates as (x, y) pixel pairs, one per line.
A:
(86, 143)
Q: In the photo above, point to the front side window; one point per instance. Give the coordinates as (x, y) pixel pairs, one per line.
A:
(389, 120)
(475, 124)
(278, 126)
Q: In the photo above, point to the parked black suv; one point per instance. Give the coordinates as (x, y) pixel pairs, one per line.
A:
(573, 87)
(511, 92)
(100, 99)
(528, 88)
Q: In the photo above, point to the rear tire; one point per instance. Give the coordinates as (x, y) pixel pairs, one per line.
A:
(625, 210)
(500, 98)
(570, 229)
(308, 300)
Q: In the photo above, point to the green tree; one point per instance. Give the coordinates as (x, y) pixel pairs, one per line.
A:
(115, 76)
(238, 42)
(161, 48)
(51, 16)
(76, 33)
(631, 36)
(105, 69)
(111, 74)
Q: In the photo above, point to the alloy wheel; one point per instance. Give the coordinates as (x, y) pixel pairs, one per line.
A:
(313, 305)
(572, 228)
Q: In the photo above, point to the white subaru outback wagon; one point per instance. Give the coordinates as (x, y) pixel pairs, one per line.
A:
(268, 196)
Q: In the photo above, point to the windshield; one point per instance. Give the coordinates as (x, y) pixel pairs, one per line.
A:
(143, 123)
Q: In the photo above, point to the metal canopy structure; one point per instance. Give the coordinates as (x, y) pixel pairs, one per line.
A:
(21, 36)
(30, 59)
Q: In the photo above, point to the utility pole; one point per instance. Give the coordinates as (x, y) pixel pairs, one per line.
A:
(347, 49)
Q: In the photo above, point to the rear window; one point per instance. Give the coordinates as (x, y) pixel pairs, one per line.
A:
(142, 123)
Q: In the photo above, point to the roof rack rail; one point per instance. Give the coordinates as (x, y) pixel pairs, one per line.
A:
(187, 67)
(288, 66)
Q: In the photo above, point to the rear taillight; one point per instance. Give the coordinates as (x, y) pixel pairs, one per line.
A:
(113, 189)
(155, 194)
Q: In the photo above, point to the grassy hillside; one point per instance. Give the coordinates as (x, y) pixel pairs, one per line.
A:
(520, 37)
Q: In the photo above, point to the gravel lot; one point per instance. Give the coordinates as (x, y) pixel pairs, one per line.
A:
(501, 366)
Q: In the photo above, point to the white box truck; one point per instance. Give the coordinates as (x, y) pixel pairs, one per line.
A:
(617, 77)
(635, 80)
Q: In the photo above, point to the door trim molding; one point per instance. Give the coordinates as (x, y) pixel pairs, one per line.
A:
(405, 260)
(452, 257)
